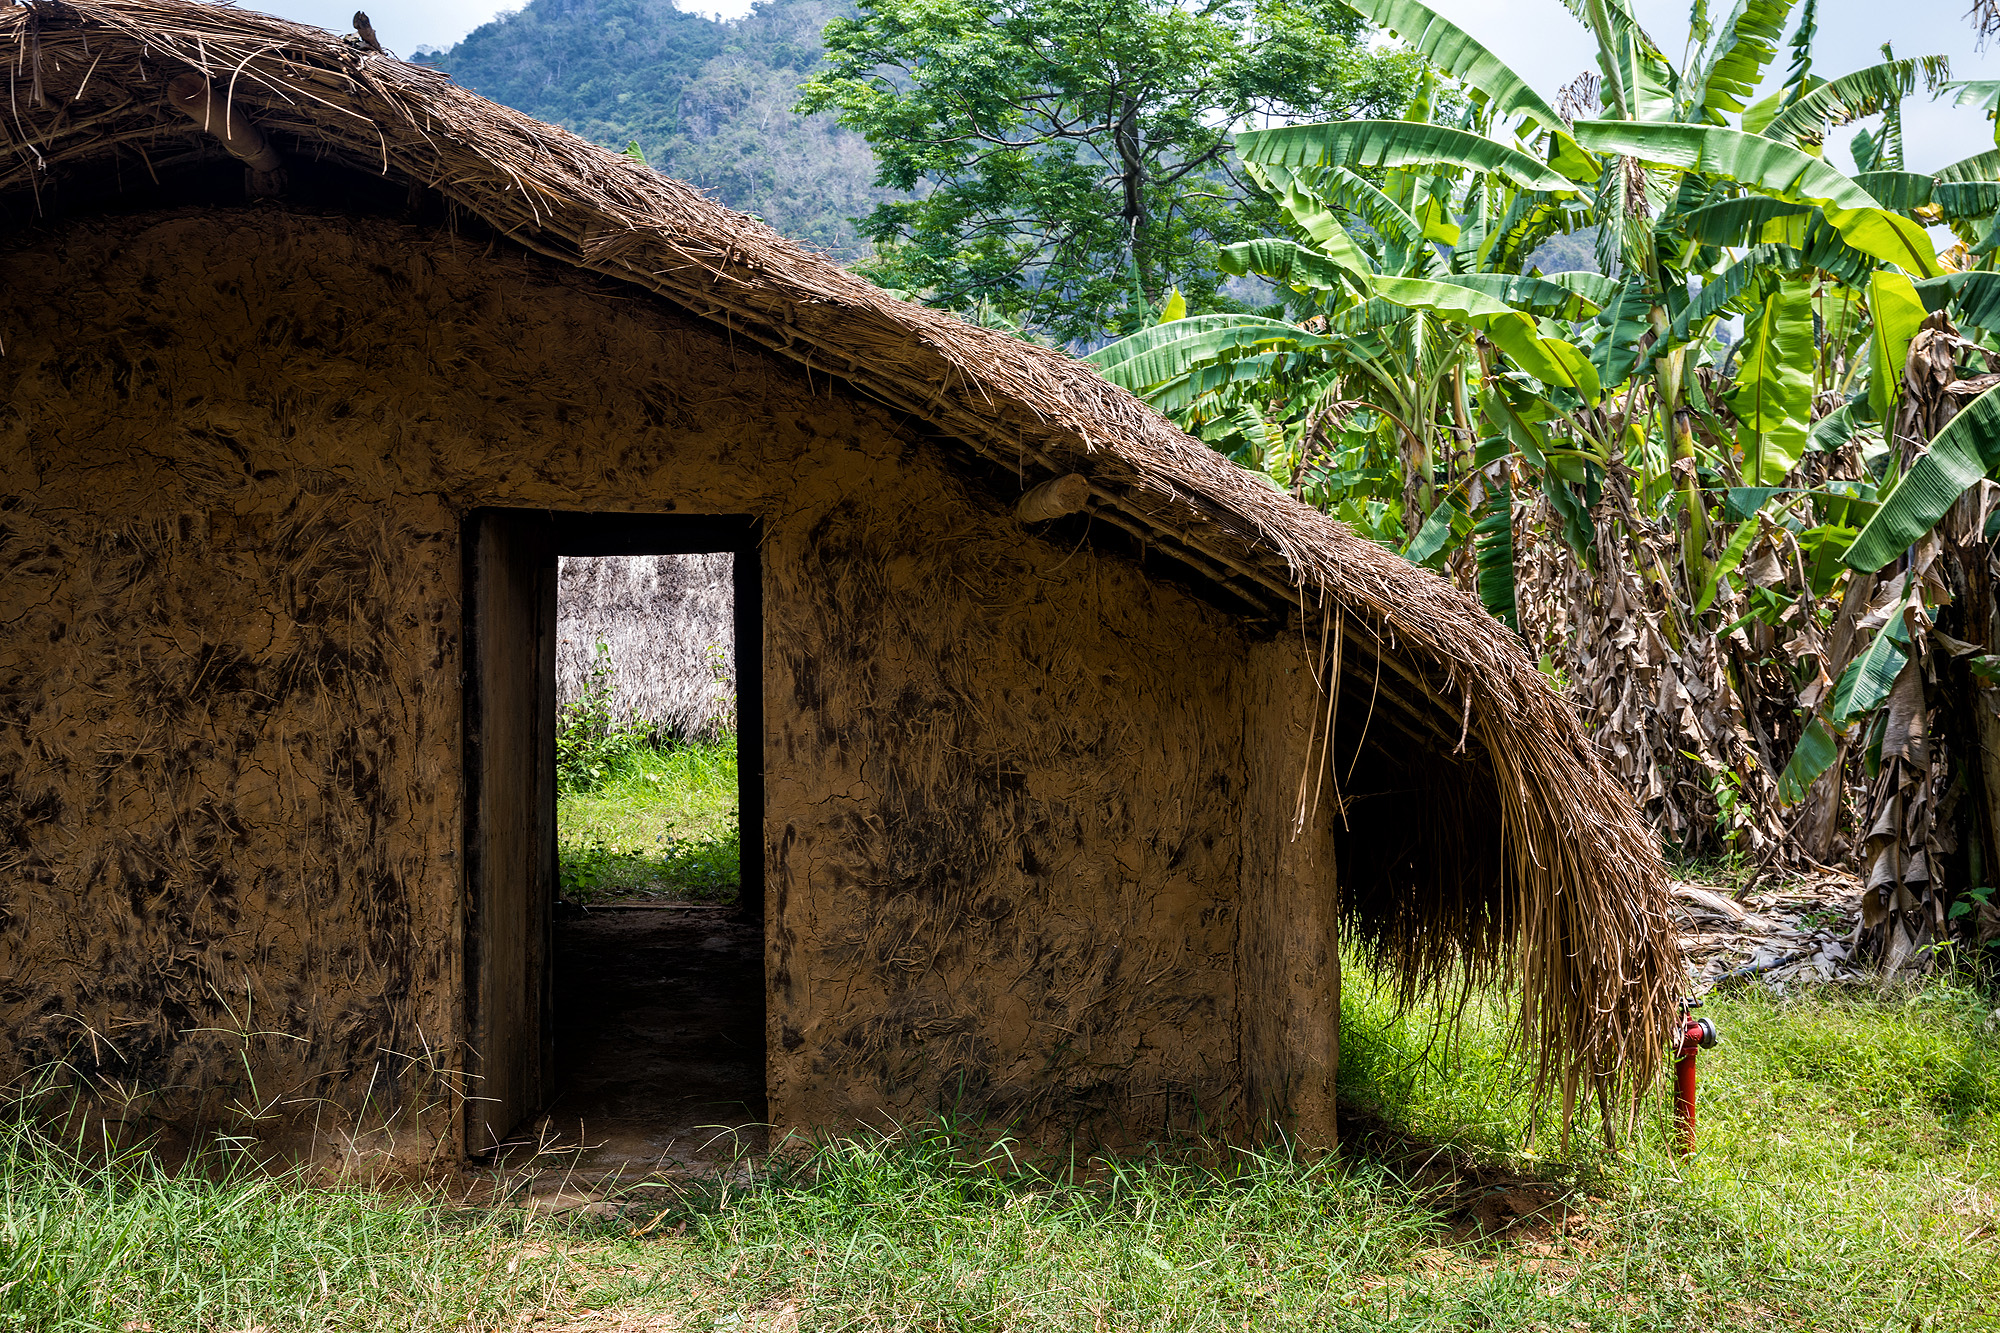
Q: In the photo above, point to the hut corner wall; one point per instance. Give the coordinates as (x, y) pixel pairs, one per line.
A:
(1289, 954)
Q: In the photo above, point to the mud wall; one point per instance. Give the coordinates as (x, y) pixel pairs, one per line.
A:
(1006, 778)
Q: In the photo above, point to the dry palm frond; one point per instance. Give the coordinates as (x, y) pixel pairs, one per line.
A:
(1985, 19)
(1554, 882)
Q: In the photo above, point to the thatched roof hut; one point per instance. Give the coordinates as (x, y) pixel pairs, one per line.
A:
(659, 629)
(1082, 747)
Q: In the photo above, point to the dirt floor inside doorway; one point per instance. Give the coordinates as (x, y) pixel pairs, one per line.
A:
(659, 1041)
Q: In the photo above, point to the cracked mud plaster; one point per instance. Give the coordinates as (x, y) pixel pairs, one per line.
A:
(1028, 808)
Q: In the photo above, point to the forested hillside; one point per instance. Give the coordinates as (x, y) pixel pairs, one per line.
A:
(709, 102)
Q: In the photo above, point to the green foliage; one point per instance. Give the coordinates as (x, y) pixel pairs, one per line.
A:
(1374, 144)
(591, 738)
(1772, 398)
(1070, 158)
(1966, 450)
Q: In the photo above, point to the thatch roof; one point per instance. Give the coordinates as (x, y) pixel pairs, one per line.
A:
(1564, 893)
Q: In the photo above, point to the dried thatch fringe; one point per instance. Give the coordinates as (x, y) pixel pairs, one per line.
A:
(667, 626)
(1577, 916)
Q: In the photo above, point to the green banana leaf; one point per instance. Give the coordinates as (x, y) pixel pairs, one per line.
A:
(1974, 296)
(1727, 290)
(1551, 360)
(1493, 553)
(1538, 295)
(1744, 221)
(1966, 201)
(1832, 431)
(1725, 564)
(1160, 353)
(1772, 399)
(1735, 60)
(1316, 218)
(1896, 312)
(1287, 261)
(1967, 449)
(1393, 143)
(1815, 753)
(1979, 167)
(1883, 235)
(1900, 190)
(1436, 530)
(1865, 92)
(1624, 322)
(1341, 188)
(1770, 166)
(1868, 679)
(1464, 57)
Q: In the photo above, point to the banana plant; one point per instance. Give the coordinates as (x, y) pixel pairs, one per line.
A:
(1678, 497)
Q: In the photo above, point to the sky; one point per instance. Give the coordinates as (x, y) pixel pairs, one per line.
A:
(1537, 37)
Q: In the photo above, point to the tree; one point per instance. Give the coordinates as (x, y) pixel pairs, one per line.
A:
(1072, 157)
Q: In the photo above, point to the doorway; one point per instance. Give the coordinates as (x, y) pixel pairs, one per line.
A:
(614, 912)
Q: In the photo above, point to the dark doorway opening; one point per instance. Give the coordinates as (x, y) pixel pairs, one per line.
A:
(617, 1016)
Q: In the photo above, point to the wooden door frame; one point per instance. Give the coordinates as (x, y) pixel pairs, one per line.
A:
(532, 542)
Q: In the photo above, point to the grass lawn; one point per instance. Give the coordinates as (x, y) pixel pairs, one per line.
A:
(659, 825)
(1849, 1178)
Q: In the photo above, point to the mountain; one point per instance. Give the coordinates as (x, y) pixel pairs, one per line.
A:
(709, 102)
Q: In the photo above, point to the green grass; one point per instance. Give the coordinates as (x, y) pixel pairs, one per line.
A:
(661, 824)
(1849, 1178)
(90, 1244)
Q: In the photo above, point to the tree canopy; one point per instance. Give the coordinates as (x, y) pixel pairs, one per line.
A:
(1071, 159)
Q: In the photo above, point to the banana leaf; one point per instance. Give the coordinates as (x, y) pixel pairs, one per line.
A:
(1744, 221)
(1872, 674)
(1770, 166)
(1287, 261)
(1865, 92)
(1886, 236)
(1979, 167)
(1341, 188)
(1974, 296)
(1393, 143)
(1725, 564)
(1540, 295)
(1160, 353)
(1551, 360)
(1815, 753)
(1735, 61)
(1436, 530)
(1896, 311)
(1772, 399)
(1967, 449)
(1465, 58)
(1493, 553)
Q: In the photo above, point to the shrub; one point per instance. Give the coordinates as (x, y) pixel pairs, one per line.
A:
(590, 736)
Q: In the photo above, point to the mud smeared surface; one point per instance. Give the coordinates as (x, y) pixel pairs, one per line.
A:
(659, 1040)
(1005, 776)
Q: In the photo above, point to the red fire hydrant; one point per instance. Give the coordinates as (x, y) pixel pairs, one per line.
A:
(1696, 1034)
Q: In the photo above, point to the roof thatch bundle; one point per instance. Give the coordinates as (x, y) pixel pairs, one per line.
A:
(664, 626)
(1551, 880)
